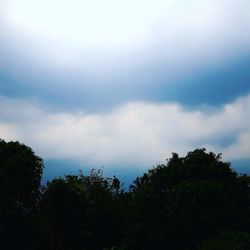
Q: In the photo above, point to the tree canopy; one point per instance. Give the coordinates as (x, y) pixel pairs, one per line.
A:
(20, 179)
(191, 202)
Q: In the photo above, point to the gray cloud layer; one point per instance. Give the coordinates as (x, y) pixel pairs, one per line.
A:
(135, 134)
(166, 48)
(112, 87)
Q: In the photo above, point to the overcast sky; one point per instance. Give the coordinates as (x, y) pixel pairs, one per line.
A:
(122, 84)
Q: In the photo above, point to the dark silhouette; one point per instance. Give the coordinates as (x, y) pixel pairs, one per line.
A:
(192, 202)
(186, 201)
(234, 240)
(20, 177)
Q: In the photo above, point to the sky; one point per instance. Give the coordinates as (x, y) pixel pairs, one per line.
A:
(120, 85)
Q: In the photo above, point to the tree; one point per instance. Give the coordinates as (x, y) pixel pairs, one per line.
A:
(64, 215)
(191, 202)
(20, 177)
(81, 212)
(187, 200)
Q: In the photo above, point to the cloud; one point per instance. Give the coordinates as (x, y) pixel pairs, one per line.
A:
(8, 131)
(135, 134)
(105, 58)
(95, 35)
(239, 150)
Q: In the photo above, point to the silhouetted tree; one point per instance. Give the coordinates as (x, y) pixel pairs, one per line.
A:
(180, 204)
(106, 223)
(192, 202)
(20, 177)
(64, 214)
(81, 212)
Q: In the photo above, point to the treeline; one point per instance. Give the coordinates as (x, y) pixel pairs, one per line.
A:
(196, 202)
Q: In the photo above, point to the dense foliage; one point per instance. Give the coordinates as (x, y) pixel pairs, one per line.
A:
(20, 178)
(192, 202)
